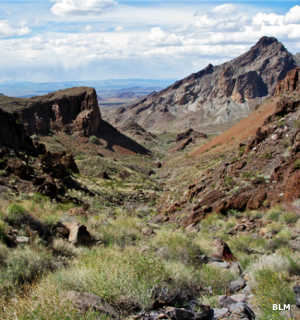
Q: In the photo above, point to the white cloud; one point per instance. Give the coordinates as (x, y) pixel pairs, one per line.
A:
(227, 8)
(158, 37)
(293, 16)
(6, 30)
(88, 28)
(146, 42)
(81, 7)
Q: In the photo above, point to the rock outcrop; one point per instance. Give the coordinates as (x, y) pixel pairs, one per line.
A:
(12, 133)
(215, 95)
(261, 173)
(290, 83)
(74, 111)
(297, 58)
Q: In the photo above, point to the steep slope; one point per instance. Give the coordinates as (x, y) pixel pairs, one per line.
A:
(74, 111)
(26, 165)
(252, 171)
(215, 95)
(297, 58)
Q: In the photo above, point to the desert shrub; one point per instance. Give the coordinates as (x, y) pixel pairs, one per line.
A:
(122, 231)
(244, 243)
(294, 265)
(216, 278)
(39, 198)
(116, 274)
(64, 248)
(280, 240)
(274, 227)
(15, 214)
(289, 217)
(46, 303)
(297, 164)
(22, 266)
(274, 214)
(94, 140)
(274, 262)
(177, 246)
(271, 288)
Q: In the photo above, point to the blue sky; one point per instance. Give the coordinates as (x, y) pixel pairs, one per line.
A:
(58, 40)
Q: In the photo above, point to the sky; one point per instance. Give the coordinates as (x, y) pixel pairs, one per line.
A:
(68, 40)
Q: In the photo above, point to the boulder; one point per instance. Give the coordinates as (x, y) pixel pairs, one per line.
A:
(86, 301)
(76, 233)
(237, 285)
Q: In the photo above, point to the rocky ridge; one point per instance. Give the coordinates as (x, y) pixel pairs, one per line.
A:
(73, 111)
(215, 95)
(262, 172)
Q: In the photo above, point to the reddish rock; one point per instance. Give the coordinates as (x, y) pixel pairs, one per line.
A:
(290, 83)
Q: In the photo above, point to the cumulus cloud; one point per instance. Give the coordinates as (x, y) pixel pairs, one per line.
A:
(81, 7)
(293, 15)
(6, 30)
(159, 37)
(152, 43)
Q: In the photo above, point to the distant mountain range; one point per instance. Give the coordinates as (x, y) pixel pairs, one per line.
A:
(215, 96)
(105, 88)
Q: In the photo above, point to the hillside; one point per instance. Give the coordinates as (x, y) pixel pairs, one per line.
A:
(214, 96)
(297, 58)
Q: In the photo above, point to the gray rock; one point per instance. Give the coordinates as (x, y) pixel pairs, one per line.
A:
(220, 313)
(226, 301)
(297, 293)
(237, 285)
(239, 297)
(22, 239)
(242, 310)
(179, 314)
(85, 301)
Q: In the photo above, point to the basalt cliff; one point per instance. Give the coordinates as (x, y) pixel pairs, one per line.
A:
(73, 111)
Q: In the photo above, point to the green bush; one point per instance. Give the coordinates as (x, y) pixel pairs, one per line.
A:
(274, 214)
(297, 164)
(272, 288)
(94, 140)
(215, 278)
(177, 246)
(289, 217)
(15, 214)
(23, 266)
(116, 275)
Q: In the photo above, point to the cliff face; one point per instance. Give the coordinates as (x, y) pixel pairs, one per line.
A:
(12, 133)
(215, 95)
(290, 83)
(72, 110)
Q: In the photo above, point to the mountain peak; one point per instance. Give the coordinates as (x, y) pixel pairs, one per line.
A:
(266, 41)
(216, 95)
